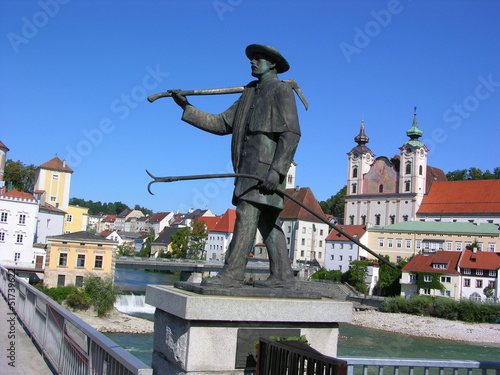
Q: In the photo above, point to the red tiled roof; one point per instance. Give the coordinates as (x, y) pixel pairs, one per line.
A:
(156, 218)
(292, 210)
(3, 146)
(56, 164)
(49, 207)
(483, 260)
(106, 233)
(433, 175)
(109, 219)
(226, 222)
(355, 231)
(210, 221)
(423, 263)
(481, 196)
(18, 194)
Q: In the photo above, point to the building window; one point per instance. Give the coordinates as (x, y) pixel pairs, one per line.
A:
(3, 217)
(479, 272)
(55, 177)
(303, 241)
(377, 219)
(420, 170)
(17, 256)
(380, 242)
(19, 239)
(418, 244)
(427, 278)
(399, 243)
(2, 236)
(79, 281)
(413, 279)
(407, 185)
(80, 261)
(491, 247)
(321, 232)
(425, 291)
(479, 283)
(405, 217)
(445, 279)
(363, 220)
(458, 246)
(449, 246)
(351, 220)
(22, 219)
(398, 259)
(389, 242)
(467, 271)
(341, 257)
(381, 188)
(408, 168)
(69, 218)
(408, 244)
(99, 259)
(355, 172)
(63, 260)
(393, 219)
(332, 257)
(320, 243)
(61, 280)
(354, 189)
(467, 283)
(492, 274)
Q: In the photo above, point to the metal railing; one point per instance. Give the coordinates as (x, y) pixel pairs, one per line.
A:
(381, 366)
(69, 344)
(294, 358)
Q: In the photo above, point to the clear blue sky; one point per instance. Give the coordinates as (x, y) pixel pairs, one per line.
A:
(75, 76)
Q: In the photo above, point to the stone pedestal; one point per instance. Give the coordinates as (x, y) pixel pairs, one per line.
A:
(197, 334)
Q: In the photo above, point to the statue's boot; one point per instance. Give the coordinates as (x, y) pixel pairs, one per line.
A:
(274, 282)
(221, 281)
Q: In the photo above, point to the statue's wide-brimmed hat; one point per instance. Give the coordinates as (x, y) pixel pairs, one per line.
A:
(281, 63)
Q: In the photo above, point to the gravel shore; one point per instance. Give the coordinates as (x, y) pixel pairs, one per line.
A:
(117, 322)
(424, 326)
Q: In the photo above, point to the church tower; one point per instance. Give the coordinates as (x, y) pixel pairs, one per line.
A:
(413, 163)
(360, 159)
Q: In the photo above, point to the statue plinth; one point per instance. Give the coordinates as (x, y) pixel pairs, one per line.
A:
(208, 334)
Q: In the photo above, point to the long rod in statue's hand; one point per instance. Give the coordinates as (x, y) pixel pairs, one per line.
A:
(280, 191)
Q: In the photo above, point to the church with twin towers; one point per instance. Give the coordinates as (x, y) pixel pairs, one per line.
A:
(382, 191)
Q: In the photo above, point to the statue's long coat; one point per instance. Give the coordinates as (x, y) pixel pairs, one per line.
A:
(265, 134)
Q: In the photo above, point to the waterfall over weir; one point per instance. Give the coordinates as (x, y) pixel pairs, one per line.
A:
(133, 303)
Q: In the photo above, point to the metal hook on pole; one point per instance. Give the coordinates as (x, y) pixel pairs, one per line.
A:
(278, 190)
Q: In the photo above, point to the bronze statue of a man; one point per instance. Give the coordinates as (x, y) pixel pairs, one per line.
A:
(265, 134)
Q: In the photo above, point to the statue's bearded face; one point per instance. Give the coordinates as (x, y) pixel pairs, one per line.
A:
(261, 65)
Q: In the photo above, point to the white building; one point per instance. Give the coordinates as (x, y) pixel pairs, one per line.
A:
(18, 220)
(305, 234)
(382, 191)
(340, 251)
(220, 236)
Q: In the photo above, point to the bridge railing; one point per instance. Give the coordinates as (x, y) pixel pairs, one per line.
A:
(395, 366)
(295, 358)
(69, 344)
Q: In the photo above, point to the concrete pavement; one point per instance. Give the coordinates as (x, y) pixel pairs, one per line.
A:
(18, 354)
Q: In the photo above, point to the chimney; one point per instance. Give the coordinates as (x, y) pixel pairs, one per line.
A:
(64, 163)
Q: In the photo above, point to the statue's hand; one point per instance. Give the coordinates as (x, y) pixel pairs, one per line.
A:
(272, 180)
(178, 98)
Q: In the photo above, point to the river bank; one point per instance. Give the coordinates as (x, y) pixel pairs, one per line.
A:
(425, 326)
(117, 322)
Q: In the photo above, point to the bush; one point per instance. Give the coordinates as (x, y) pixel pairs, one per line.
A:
(419, 305)
(393, 305)
(79, 300)
(60, 293)
(445, 308)
(323, 274)
(102, 293)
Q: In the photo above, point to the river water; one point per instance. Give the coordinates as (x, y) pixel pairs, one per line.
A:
(354, 341)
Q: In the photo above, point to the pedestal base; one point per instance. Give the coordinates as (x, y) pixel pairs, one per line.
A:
(198, 334)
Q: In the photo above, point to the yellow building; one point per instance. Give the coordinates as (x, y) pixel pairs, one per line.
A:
(72, 256)
(54, 177)
(76, 219)
(406, 239)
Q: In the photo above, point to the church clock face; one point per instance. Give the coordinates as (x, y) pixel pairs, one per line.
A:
(409, 150)
(355, 155)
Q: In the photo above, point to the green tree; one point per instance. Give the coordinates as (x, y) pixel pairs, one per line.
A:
(356, 275)
(21, 176)
(388, 281)
(335, 204)
(197, 239)
(126, 250)
(457, 175)
(145, 211)
(146, 250)
(475, 174)
(102, 293)
(180, 242)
